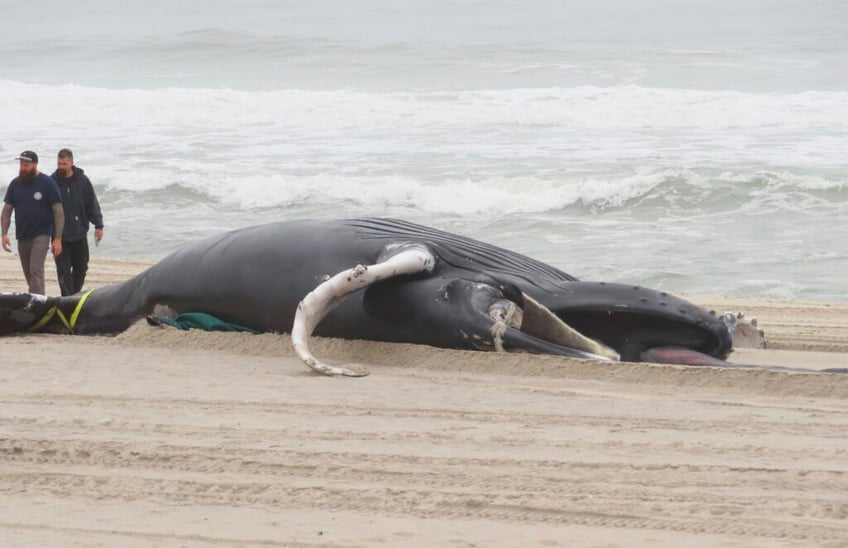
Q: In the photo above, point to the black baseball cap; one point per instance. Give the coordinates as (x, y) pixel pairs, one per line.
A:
(28, 156)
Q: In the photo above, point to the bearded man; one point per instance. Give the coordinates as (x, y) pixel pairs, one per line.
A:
(35, 199)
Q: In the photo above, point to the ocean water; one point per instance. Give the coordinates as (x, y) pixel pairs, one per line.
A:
(692, 146)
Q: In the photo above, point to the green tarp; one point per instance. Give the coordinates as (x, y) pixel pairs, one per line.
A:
(198, 320)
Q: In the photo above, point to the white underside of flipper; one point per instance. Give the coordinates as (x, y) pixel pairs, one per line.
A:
(318, 302)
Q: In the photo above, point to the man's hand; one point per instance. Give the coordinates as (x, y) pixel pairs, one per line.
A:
(57, 247)
(6, 244)
(98, 235)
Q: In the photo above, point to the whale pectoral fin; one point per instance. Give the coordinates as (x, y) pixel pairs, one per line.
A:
(318, 302)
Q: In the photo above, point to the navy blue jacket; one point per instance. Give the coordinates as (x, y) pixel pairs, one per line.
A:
(80, 204)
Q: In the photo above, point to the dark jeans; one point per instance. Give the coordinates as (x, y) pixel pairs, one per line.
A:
(72, 265)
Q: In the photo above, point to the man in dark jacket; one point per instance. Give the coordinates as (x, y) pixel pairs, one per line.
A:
(81, 209)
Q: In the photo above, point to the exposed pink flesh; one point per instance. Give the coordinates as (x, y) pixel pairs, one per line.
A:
(680, 355)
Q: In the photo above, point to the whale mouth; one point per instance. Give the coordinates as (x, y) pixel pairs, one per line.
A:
(540, 322)
(519, 340)
(642, 337)
(673, 355)
(619, 334)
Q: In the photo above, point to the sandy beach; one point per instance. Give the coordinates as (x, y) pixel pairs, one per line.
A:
(168, 438)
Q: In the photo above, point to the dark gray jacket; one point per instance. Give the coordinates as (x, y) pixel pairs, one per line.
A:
(80, 204)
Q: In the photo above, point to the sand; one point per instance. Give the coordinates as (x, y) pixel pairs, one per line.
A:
(168, 438)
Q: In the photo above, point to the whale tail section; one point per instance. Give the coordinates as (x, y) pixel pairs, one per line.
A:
(22, 312)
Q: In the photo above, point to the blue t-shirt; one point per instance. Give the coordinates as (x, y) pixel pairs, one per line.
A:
(33, 205)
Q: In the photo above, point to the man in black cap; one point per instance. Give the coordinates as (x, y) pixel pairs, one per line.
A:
(35, 199)
(81, 209)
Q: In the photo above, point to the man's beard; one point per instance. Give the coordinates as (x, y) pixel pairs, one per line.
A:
(64, 173)
(26, 177)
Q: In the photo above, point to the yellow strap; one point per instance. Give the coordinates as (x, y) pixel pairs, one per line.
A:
(64, 319)
(78, 309)
(54, 310)
(44, 319)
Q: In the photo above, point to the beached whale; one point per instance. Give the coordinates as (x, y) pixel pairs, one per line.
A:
(389, 280)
